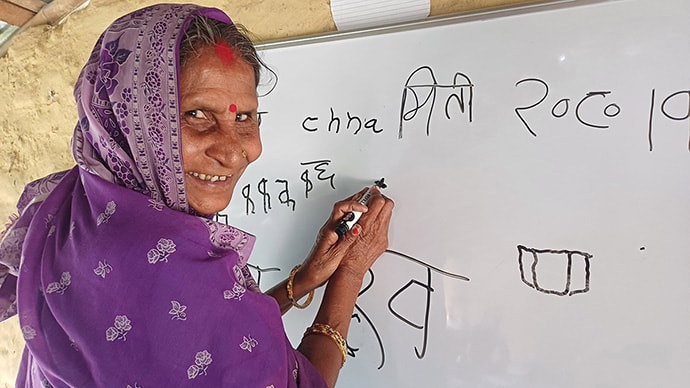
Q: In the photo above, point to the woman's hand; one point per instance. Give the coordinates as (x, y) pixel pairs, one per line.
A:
(355, 251)
(343, 262)
(350, 255)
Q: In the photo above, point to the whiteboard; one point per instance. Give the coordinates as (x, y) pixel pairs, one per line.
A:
(539, 162)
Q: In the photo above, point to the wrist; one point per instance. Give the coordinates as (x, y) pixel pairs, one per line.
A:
(304, 280)
(345, 276)
(339, 300)
(296, 289)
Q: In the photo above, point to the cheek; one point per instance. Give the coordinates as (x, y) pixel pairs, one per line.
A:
(254, 149)
(189, 147)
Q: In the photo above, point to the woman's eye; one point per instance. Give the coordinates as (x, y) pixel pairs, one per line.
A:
(242, 117)
(197, 114)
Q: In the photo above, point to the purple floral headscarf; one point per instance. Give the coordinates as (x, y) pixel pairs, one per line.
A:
(127, 97)
(115, 280)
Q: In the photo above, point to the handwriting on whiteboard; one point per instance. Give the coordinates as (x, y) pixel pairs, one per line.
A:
(421, 88)
(566, 273)
(361, 317)
(265, 193)
(348, 123)
(424, 327)
(675, 106)
(423, 95)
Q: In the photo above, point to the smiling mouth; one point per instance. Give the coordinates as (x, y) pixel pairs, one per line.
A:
(209, 177)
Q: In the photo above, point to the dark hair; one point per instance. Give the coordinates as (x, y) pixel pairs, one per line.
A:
(205, 32)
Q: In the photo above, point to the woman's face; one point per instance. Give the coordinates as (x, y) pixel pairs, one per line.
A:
(220, 128)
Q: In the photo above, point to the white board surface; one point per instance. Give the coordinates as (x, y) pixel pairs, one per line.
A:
(558, 182)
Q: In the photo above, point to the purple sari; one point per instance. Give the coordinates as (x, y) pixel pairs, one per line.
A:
(115, 280)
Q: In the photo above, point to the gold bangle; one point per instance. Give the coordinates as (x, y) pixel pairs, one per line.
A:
(289, 290)
(322, 328)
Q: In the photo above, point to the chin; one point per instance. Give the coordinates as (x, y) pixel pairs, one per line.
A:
(210, 209)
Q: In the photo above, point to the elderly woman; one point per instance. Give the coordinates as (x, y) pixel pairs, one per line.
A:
(117, 271)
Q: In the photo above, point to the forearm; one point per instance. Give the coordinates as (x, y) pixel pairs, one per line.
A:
(336, 309)
(301, 286)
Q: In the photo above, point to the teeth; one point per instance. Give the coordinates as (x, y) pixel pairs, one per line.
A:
(209, 177)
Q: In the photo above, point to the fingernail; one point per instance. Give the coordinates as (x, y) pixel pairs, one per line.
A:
(355, 230)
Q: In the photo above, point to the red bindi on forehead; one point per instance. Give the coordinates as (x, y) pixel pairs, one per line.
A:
(225, 53)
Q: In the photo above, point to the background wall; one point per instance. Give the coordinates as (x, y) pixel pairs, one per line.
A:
(37, 111)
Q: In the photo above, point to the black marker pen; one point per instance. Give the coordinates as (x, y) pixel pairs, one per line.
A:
(351, 218)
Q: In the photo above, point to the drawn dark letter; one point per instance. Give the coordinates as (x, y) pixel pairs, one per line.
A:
(335, 120)
(308, 185)
(579, 104)
(356, 119)
(309, 129)
(685, 115)
(265, 194)
(284, 195)
(526, 107)
(371, 124)
(249, 204)
(425, 325)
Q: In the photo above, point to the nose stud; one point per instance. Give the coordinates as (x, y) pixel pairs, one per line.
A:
(244, 153)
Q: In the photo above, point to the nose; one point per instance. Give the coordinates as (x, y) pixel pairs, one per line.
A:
(227, 147)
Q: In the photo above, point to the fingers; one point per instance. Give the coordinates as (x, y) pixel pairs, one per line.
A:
(378, 211)
(357, 249)
(368, 239)
(375, 222)
(328, 237)
(348, 205)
